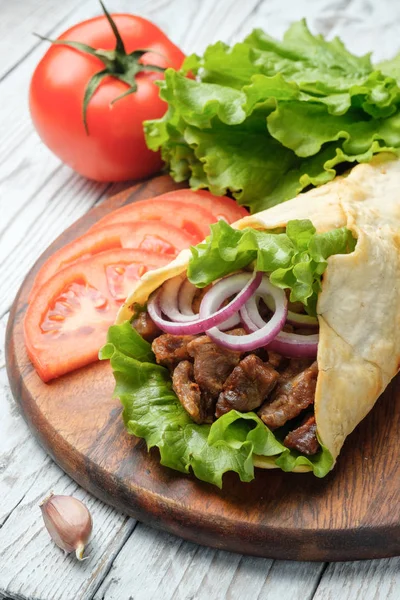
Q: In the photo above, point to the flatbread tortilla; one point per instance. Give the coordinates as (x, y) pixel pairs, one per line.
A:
(358, 307)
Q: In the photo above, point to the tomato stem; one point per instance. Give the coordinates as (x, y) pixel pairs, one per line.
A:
(117, 62)
(120, 48)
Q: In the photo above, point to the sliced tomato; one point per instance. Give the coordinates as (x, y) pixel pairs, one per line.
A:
(220, 206)
(67, 320)
(145, 235)
(186, 209)
(191, 218)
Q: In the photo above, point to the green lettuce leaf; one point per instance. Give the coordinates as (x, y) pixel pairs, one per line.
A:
(297, 126)
(153, 412)
(255, 161)
(391, 67)
(235, 428)
(264, 119)
(295, 259)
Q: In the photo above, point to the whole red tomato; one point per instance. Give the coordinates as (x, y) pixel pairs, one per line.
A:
(113, 147)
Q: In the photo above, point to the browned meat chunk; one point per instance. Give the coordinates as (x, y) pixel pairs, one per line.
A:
(237, 331)
(292, 395)
(188, 391)
(171, 349)
(294, 367)
(304, 438)
(209, 403)
(247, 386)
(212, 364)
(145, 326)
(276, 360)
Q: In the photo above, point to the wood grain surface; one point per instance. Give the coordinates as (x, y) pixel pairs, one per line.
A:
(353, 513)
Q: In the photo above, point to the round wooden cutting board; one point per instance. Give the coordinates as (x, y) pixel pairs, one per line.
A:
(353, 513)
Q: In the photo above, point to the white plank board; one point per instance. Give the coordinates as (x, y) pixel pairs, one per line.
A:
(363, 26)
(18, 22)
(216, 21)
(33, 568)
(367, 580)
(54, 206)
(20, 457)
(158, 565)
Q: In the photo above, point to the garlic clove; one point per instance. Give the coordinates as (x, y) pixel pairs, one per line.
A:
(68, 522)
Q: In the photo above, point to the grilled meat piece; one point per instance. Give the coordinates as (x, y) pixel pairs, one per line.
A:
(171, 349)
(277, 361)
(292, 395)
(295, 366)
(209, 403)
(304, 438)
(145, 326)
(247, 386)
(212, 364)
(198, 404)
(188, 391)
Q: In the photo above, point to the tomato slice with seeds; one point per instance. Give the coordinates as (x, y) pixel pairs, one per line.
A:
(67, 320)
(120, 277)
(144, 235)
(193, 219)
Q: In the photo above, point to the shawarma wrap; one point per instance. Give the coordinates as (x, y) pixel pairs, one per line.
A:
(358, 311)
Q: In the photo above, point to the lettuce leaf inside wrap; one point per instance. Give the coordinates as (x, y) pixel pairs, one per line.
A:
(295, 259)
(153, 412)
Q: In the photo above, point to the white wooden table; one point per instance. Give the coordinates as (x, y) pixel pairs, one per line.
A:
(39, 198)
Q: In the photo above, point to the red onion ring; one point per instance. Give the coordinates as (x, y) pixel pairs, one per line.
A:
(294, 345)
(242, 284)
(232, 322)
(247, 322)
(259, 336)
(302, 320)
(186, 295)
(291, 345)
(168, 299)
(176, 298)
